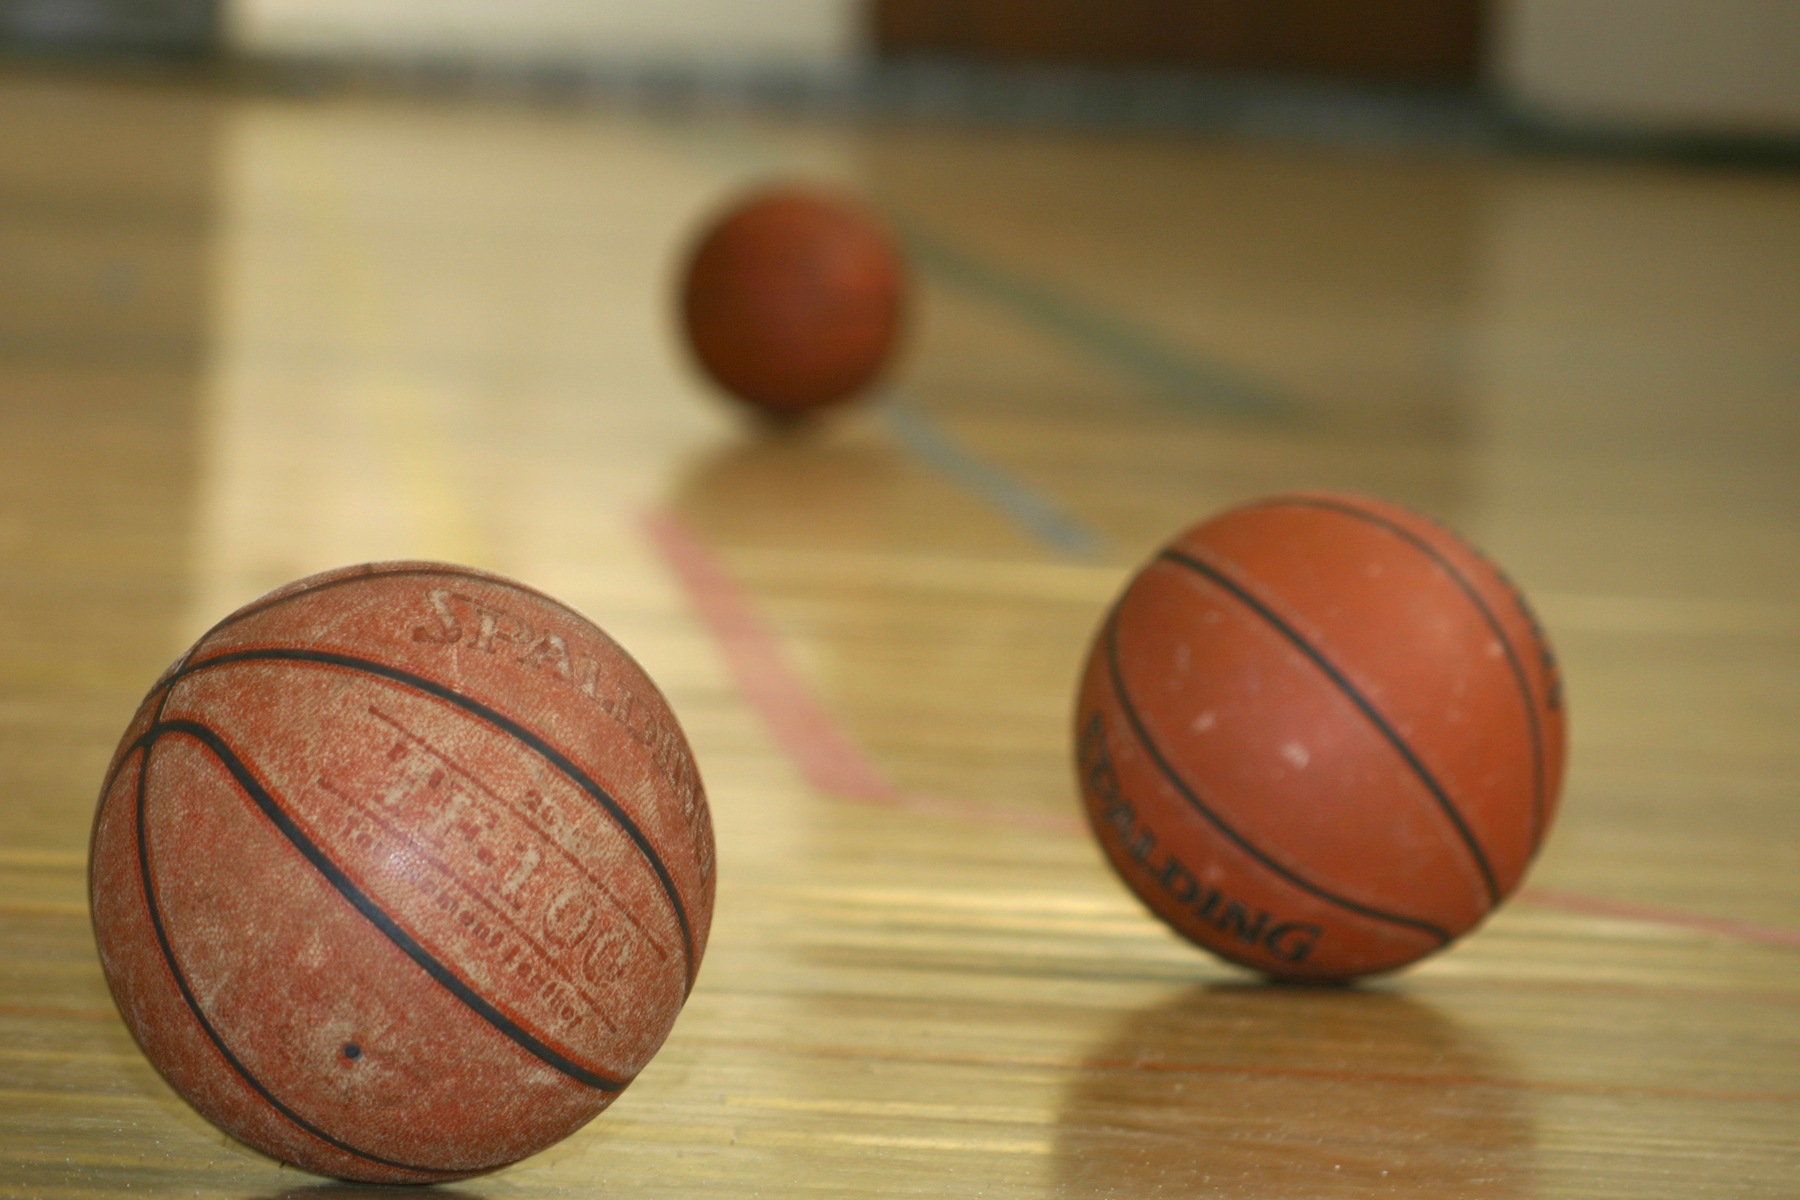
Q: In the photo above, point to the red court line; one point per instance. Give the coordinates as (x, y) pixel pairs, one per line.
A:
(810, 735)
(828, 759)
(835, 765)
(1750, 931)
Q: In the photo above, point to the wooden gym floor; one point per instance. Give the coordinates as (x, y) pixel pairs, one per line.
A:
(244, 338)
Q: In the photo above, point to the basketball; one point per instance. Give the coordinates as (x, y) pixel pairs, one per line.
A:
(1320, 736)
(402, 872)
(792, 300)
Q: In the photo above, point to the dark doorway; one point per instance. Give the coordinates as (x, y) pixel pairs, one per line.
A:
(158, 28)
(1413, 41)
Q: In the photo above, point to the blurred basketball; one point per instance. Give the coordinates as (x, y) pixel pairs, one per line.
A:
(1320, 736)
(792, 300)
(402, 872)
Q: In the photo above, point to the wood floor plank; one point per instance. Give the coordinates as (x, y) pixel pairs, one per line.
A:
(261, 336)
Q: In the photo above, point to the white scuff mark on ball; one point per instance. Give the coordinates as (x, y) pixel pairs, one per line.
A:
(1184, 657)
(1296, 754)
(1204, 721)
(1212, 616)
(313, 954)
(1494, 648)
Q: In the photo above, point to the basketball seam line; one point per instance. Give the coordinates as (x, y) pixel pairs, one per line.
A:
(335, 875)
(506, 725)
(1362, 702)
(263, 606)
(1218, 822)
(145, 743)
(453, 570)
(1539, 786)
(166, 685)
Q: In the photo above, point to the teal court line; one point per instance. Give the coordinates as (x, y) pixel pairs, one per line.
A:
(1028, 508)
(1115, 341)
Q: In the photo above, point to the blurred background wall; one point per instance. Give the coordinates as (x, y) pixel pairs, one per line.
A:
(163, 27)
(812, 35)
(1728, 67)
(1421, 41)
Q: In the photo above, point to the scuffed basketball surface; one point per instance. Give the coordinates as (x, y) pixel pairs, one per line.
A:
(1320, 736)
(402, 873)
(792, 300)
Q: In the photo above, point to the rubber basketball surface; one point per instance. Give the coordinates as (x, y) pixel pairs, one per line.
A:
(402, 873)
(1321, 736)
(793, 300)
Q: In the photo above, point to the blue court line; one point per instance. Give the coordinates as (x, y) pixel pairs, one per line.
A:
(1039, 516)
(1115, 340)
(1171, 372)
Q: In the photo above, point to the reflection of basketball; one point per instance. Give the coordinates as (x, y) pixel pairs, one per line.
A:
(402, 872)
(1320, 736)
(792, 300)
(1242, 1093)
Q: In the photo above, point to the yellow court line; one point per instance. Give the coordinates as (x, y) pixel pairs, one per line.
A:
(1009, 901)
(69, 1055)
(897, 1108)
(45, 908)
(65, 859)
(131, 1162)
(794, 1137)
(38, 1098)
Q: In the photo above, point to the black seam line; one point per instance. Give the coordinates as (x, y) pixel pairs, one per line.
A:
(451, 570)
(145, 744)
(1362, 702)
(1238, 839)
(244, 614)
(1512, 656)
(368, 908)
(501, 722)
(168, 688)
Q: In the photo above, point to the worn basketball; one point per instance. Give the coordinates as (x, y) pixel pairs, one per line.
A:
(402, 872)
(792, 300)
(1320, 736)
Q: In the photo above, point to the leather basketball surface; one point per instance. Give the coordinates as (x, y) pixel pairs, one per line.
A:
(793, 300)
(402, 872)
(1320, 736)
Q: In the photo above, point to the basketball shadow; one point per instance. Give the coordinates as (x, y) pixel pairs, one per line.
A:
(1259, 1091)
(365, 1191)
(838, 483)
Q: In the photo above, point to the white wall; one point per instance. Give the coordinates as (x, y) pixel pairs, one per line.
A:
(1703, 66)
(817, 35)
(1682, 65)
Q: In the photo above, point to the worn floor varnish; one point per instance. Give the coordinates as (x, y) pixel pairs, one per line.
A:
(246, 338)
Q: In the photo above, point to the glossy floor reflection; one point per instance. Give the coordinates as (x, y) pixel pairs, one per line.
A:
(249, 337)
(1256, 1091)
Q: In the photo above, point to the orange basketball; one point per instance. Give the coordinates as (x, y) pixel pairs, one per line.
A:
(1320, 735)
(793, 300)
(402, 872)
